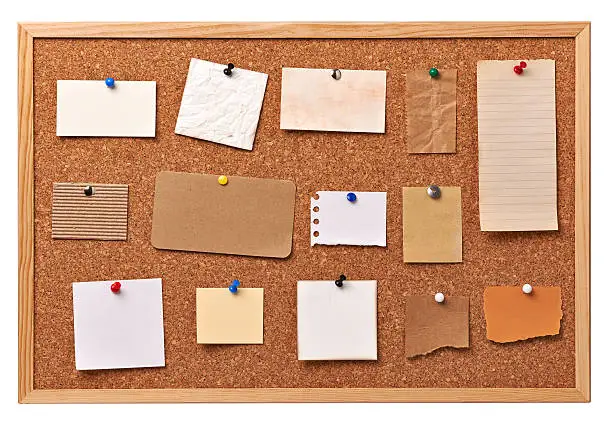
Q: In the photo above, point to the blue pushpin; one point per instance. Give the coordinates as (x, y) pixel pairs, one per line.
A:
(110, 82)
(351, 197)
(234, 286)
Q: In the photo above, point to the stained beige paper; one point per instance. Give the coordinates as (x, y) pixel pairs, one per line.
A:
(431, 325)
(431, 111)
(312, 100)
(432, 227)
(248, 216)
(517, 146)
(102, 216)
(512, 315)
(223, 317)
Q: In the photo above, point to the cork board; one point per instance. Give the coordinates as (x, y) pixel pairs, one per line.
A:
(314, 161)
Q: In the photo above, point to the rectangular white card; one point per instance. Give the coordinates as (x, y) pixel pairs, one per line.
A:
(337, 323)
(517, 146)
(118, 330)
(90, 108)
(220, 108)
(311, 99)
(334, 220)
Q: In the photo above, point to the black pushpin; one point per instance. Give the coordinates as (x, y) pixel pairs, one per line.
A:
(340, 280)
(336, 74)
(228, 70)
(89, 190)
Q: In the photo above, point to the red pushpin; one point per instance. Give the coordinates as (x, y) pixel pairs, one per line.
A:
(115, 287)
(519, 69)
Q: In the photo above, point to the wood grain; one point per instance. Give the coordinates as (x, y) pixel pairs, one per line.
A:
(581, 31)
(25, 103)
(302, 30)
(583, 213)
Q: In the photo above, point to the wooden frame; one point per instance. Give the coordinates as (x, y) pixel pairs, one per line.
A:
(580, 31)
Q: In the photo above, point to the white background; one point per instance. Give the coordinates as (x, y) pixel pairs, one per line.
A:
(296, 10)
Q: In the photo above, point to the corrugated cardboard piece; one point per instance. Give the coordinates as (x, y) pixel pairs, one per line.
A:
(101, 216)
(431, 325)
(248, 216)
(312, 100)
(432, 227)
(513, 315)
(431, 111)
(227, 318)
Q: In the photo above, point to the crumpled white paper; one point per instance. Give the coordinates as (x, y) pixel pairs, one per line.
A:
(220, 108)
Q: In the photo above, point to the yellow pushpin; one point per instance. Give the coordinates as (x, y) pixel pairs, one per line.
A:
(222, 180)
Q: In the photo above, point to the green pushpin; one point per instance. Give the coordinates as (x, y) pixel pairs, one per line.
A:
(433, 72)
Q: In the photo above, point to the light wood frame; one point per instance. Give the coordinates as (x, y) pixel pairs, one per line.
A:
(580, 31)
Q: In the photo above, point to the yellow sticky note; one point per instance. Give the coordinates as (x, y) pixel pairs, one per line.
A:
(432, 227)
(223, 317)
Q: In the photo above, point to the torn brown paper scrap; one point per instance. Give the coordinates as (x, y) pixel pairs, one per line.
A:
(431, 112)
(512, 315)
(431, 325)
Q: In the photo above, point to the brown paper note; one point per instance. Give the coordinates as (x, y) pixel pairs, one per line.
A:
(247, 216)
(103, 215)
(432, 227)
(431, 111)
(227, 318)
(431, 325)
(512, 315)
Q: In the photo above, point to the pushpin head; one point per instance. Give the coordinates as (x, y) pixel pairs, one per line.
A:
(110, 82)
(88, 191)
(234, 286)
(351, 197)
(433, 72)
(222, 180)
(439, 297)
(434, 191)
(115, 287)
(340, 281)
(527, 289)
(518, 70)
(523, 65)
(228, 70)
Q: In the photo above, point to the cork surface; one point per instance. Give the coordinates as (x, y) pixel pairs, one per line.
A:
(314, 161)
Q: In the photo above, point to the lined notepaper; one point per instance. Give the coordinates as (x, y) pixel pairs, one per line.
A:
(517, 146)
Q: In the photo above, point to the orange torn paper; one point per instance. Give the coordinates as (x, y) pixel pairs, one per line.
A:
(512, 315)
(431, 325)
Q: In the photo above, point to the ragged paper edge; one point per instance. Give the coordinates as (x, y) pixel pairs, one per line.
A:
(313, 216)
(446, 346)
(557, 328)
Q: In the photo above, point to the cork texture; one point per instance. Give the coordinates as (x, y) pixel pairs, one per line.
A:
(314, 161)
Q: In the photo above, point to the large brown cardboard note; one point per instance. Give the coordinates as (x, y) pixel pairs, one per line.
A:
(517, 146)
(247, 216)
(431, 111)
(512, 315)
(431, 325)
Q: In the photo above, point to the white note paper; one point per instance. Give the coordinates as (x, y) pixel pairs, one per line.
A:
(220, 108)
(90, 108)
(517, 146)
(337, 323)
(118, 330)
(341, 222)
(312, 100)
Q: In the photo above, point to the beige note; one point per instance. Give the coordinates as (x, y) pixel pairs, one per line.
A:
(431, 111)
(312, 100)
(517, 146)
(247, 216)
(432, 227)
(431, 325)
(512, 315)
(100, 216)
(227, 318)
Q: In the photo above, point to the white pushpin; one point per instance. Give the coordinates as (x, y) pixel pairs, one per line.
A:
(439, 297)
(527, 289)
